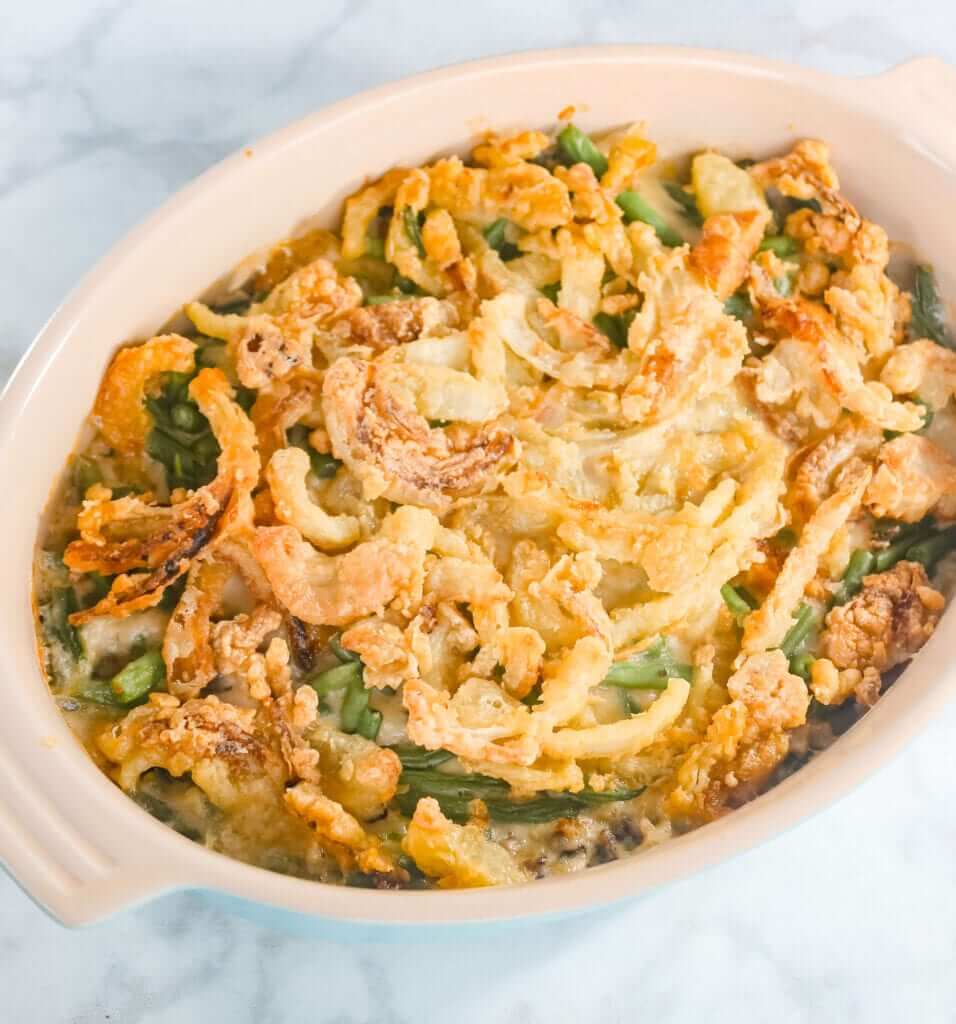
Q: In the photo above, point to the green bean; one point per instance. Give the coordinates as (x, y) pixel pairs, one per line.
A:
(648, 669)
(495, 233)
(346, 656)
(324, 466)
(99, 585)
(181, 440)
(412, 229)
(234, 306)
(96, 691)
(213, 353)
(928, 413)
(614, 328)
(806, 619)
(636, 207)
(541, 809)
(862, 563)
(354, 704)
(496, 239)
(206, 449)
(455, 794)
(739, 600)
(178, 461)
(686, 201)
(928, 552)
(928, 314)
(63, 603)
(780, 245)
(139, 677)
(579, 149)
(172, 594)
(413, 756)
(783, 206)
(532, 697)
(800, 665)
(786, 537)
(86, 472)
(375, 247)
(907, 536)
(738, 306)
(336, 678)
(380, 300)
(175, 385)
(186, 416)
(369, 723)
(245, 397)
(407, 286)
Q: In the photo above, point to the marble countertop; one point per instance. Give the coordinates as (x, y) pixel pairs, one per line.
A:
(109, 107)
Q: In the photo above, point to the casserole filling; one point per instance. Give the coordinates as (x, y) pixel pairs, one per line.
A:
(557, 503)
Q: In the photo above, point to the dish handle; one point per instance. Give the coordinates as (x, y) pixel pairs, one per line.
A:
(70, 876)
(920, 96)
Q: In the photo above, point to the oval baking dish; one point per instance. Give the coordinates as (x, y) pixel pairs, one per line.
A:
(75, 843)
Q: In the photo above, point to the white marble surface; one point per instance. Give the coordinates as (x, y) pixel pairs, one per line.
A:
(107, 108)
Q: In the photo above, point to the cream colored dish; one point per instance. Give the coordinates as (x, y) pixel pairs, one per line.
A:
(84, 885)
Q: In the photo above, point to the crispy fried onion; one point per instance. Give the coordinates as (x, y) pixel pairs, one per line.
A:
(731, 547)
(338, 590)
(457, 856)
(132, 534)
(357, 773)
(804, 173)
(266, 674)
(387, 652)
(190, 661)
(442, 393)
(362, 208)
(745, 740)
(275, 337)
(767, 626)
(630, 153)
(119, 411)
(388, 324)
(914, 477)
(593, 365)
(394, 452)
(528, 195)
(217, 743)
(851, 439)
(885, 624)
(721, 259)
(282, 406)
(286, 473)
(922, 368)
(439, 267)
(236, 642)
(686, 345)
(490, 730)
(625, 737)
(339, 832)
(557, 601)
(815, 367)
(500, 151)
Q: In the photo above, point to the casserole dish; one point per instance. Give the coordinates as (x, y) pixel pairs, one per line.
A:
(71, 840)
